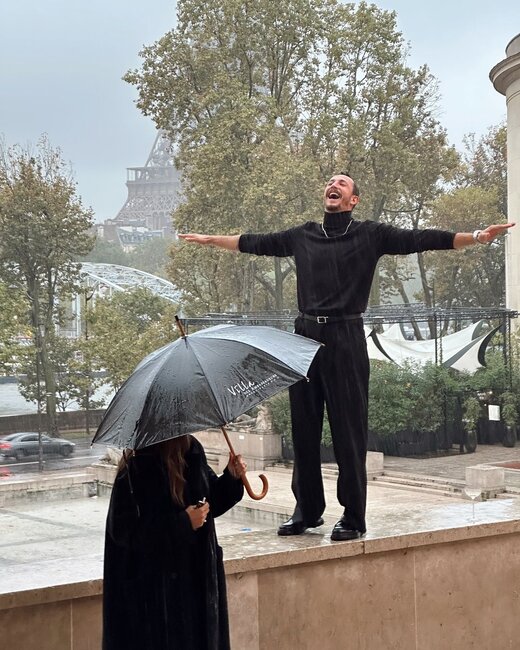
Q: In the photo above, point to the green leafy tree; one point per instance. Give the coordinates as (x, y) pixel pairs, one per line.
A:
(484, 164)
(13, 326)
(474, 277)
(151, 256)
(72, 377)
(106, 252)
(127, 327)
(43, 227)
(408, 397)
(264, 102)
(477, 197)
(494, 377)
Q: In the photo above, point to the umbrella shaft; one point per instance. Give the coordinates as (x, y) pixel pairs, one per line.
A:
(228, 441)
(179, 325)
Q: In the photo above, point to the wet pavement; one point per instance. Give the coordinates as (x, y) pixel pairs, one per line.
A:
(454, 465)
(51, 542)
(59, 542)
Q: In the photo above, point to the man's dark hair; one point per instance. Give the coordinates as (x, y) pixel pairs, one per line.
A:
(355, 189)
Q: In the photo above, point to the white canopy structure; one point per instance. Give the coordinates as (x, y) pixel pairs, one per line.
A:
(463, 350)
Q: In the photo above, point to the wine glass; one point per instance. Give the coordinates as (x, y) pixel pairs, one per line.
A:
(473, 493)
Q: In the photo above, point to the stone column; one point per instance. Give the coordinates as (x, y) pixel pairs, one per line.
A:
(505, 77)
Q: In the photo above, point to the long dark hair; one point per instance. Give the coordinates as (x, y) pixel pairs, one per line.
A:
(173, 453)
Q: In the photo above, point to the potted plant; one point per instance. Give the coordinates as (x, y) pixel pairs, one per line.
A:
(509, 418)
(471, 408)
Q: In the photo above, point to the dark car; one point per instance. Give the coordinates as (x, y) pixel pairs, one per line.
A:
(19, 445)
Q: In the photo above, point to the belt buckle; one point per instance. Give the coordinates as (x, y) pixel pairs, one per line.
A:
(322, 320)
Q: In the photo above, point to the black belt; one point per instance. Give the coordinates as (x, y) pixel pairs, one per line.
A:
(323, 320)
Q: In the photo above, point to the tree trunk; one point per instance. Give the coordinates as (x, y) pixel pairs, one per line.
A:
(278, 280)
(248, 287)
(375, 291)
(50, 388)
(427, 293)
(43, 360)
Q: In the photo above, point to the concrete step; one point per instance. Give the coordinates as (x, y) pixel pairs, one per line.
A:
(329, 471)
(426, 478)
(418, 486)
(434, 483)
(421, 488)
(440, 483)
(402, 480)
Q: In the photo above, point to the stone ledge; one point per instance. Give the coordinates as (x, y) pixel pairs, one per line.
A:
(46, 488)
(52, 593)
(262, 551)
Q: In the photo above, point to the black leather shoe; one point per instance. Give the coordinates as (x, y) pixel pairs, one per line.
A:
(342, 533)
(291, 527)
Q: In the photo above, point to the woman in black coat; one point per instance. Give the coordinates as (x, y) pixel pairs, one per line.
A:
(164, 584)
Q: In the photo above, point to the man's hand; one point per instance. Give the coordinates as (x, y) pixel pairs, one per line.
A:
(195, 238)
(463, 239)
(492, 232)
(228, 242)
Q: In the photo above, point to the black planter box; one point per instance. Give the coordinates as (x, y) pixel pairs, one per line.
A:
(490, 432)
(402, 443)
(408, 443)
(326, 453)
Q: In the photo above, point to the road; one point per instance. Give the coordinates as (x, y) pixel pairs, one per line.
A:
(83, 456)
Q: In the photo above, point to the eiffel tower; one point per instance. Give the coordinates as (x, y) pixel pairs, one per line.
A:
(152, 190)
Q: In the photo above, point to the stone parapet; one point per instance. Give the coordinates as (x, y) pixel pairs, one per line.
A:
(418, 590)
(46, 488)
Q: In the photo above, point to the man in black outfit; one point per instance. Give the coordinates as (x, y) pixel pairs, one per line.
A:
(335, 263)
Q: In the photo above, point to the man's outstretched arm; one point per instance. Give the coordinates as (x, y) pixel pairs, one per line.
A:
(229, 242)
(486, 236)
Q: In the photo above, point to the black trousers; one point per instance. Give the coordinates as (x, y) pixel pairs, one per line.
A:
(338, 379)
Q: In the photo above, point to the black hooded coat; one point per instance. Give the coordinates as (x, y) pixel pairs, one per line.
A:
(164, 583)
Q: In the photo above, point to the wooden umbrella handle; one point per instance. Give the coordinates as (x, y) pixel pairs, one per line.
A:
(243, 477)
(179, 325)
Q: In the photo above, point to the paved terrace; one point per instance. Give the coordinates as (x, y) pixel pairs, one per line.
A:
(454, 466)
(43, 543)
(436, 576)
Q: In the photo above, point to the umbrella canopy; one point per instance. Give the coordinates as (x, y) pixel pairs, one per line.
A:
(203, 380)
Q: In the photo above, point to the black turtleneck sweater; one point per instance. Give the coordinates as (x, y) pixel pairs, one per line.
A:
(336, 260)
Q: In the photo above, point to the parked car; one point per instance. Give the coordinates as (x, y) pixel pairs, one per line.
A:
(19, 445)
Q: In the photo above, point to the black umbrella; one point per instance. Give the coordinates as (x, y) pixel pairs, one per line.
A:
(204, 380)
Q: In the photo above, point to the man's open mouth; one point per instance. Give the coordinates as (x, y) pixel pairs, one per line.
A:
(334, 194)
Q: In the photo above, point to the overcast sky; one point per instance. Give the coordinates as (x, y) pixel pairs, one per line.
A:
(62, 63)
